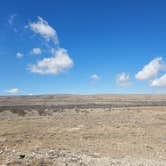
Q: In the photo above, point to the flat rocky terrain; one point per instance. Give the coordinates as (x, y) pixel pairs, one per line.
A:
(83, 130)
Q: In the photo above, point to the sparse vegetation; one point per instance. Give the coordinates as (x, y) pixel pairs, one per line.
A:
(87, 133)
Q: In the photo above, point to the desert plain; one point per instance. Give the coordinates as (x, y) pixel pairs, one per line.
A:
(83, 130)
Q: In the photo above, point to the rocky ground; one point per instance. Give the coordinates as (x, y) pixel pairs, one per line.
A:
(92, 132)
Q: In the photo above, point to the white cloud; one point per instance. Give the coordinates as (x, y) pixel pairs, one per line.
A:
(159, 82)
(56, 64)
(123, 79)
(30, 94)
(12, 91)
(11, 19)
(11, 22)
(36, 51)
(95, 77)
(42, 28)
(151, 69)
(19, 55)
(59, 60)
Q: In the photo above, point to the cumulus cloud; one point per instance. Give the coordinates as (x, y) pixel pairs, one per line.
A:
(59, 62)
(123, 79)
(159, 82)
(12, 91)
(19, 55)
(42, 28)
(151, 69)
(36, 51)
(95, 77)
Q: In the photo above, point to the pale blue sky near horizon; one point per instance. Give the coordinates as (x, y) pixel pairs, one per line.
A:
(106, 44)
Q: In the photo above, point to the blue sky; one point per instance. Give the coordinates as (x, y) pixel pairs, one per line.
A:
(108, 46)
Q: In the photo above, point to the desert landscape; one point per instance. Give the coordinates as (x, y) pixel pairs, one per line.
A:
(82, 83)
(83, 130)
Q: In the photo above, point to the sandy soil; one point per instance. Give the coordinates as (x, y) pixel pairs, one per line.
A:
(85, 137)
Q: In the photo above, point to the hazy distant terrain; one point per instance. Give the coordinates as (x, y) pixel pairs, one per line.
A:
(83, 130)
(48, 104)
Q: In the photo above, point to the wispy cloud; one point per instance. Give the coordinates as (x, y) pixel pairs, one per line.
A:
(12, 91)
(151, 69)
(95, 77)
(19, 55)
(11, 22)
(36, 51)
(123, 79)
(11, 19)
(42, 28)
(30, 94)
